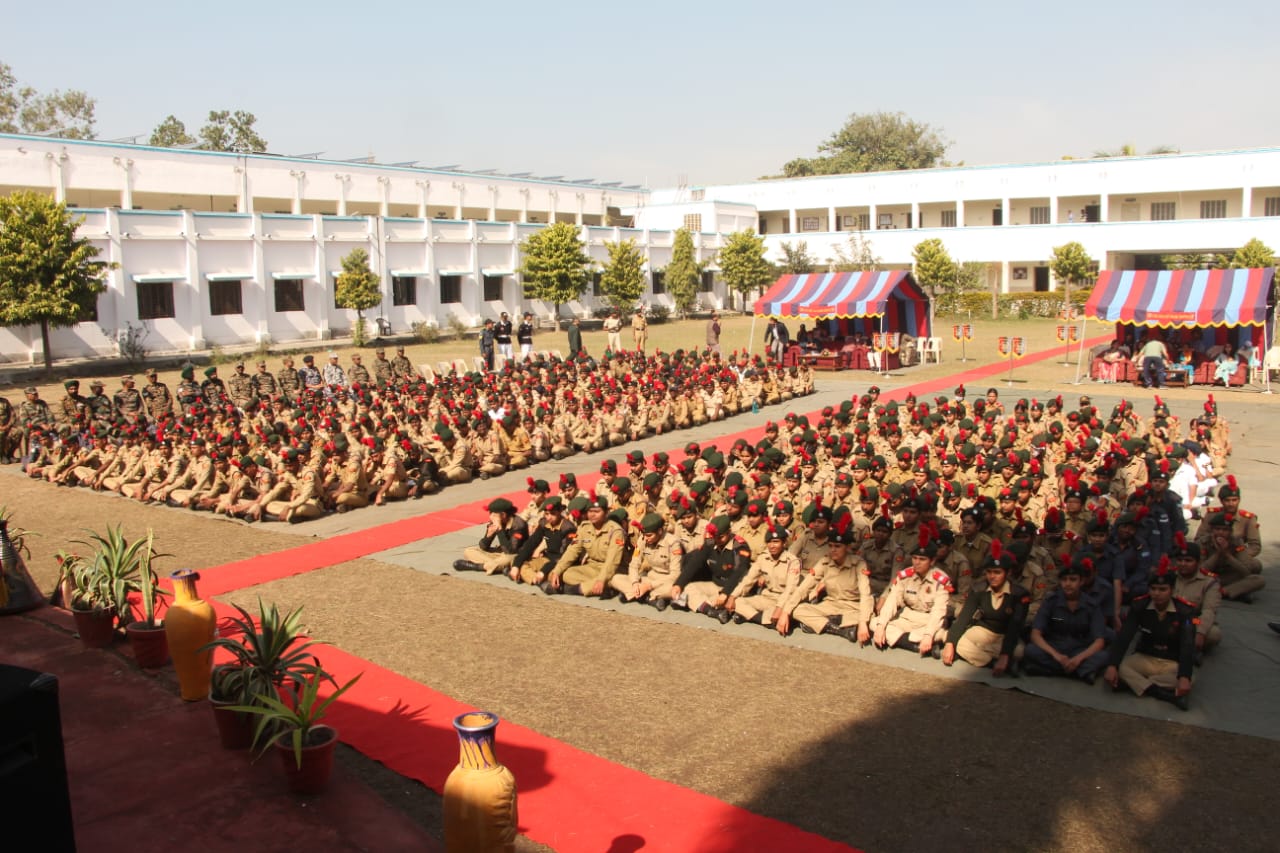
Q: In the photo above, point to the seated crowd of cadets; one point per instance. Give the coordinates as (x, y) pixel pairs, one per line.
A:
(1044, 546)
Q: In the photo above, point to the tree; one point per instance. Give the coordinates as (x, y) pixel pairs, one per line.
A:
(623, 279)
(48, 275)
(742, 263)
(858, 256)
(1252, 255)
(934, 267)
(682, 274)
(796, 259)
(555, 266)
(1071, 264)
(1131, 150)
(67, 114)
(358, 288)
(873, 142)
(171, 133)
(232, 131)
(1189, 261)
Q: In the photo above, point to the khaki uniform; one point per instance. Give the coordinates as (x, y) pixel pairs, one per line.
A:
(883, 563)
(770, 584)
(808, 549)
(836, 589)
(916, 607)
(657, 565)
(303, 495)
(639, 331)
(1238, 571)
(1244, 528)
(594, 556)
(1203, 592)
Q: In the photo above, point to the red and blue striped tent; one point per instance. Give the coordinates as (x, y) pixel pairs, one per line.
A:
(1202, 307)
(878, 300)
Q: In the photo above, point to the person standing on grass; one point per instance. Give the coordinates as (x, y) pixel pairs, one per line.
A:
(613, 328)
(524, 336)
(639, 329)
(502, 334)
(575, 338)
(488, 337)
(713, 333)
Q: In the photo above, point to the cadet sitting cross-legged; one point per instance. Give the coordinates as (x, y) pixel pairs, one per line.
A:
(767, 593)
(654, 566)
(501, 541)
(1068, 636)
(836, 596)
(914, 611)
(987, 630)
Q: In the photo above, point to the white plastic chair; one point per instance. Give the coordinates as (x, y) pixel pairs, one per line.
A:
(931, 347)
(427, 372)
(1270, 364)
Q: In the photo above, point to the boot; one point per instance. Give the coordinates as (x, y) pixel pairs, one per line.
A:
(660, 604)
(723, 615)
(467, 566)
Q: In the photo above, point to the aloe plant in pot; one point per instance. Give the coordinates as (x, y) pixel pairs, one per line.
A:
(101, 585)
(268, 657)
(146, 635)
(295, 731)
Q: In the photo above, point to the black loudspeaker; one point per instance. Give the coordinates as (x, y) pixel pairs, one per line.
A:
(33, 768)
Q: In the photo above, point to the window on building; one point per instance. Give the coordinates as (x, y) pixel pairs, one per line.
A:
(596, 287)
(1163, 210)
(708, 282)
(697, 195)
(1214, 209)
(810, 223)
(1271, 206)
(89, 314)
(1040, 215)
(450, 289)
(659, 282)
(155, 300)
(864, 222)
(693, 221)
(289, 295)
(764, 224)
(225, 297)
(492, 288)
(404, 290)
(884, 221)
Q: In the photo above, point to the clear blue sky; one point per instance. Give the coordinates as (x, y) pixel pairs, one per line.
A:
(647, 92)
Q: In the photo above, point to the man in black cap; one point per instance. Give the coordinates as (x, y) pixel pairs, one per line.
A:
(488, 336)
(310, 377)
(501, 541)
(1202, 590)
(1161, 663)
(189, 392)
(502, 335)
(1068, 636)
(524, 336)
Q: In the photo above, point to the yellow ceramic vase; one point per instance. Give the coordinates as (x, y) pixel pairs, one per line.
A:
(480, 793)
(190, 623)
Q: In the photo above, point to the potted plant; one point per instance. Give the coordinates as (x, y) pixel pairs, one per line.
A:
(294, 731)
(267, 659)
(101, 585)
(146, 635)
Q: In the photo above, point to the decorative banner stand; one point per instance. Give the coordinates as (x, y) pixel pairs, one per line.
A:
(1069, 334)
(884, 343)
(962, 332)
(1011, 348)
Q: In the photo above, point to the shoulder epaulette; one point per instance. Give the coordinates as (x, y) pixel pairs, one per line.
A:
(1208, 573)
(1218, 509)
(942, 579)
(905, 573)
(1244, 513)
(1181, 600)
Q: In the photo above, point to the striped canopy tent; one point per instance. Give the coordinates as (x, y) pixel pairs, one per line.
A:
(1204, 306)
(852, 302)
(1197, 308)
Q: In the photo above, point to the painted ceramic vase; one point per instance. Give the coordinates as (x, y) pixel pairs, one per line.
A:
(189, 623)
(480, 793)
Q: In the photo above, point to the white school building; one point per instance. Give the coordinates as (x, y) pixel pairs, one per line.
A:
(228, 249)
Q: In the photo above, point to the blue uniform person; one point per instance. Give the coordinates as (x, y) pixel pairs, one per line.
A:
(1068, 636)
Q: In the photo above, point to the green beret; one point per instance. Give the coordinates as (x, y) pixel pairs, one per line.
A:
(718, 526)
(652, 523)
(210, 370)
(501, 505)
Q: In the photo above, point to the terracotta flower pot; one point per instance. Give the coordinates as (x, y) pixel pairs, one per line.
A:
(317, 760)
(97, 628)
(149, 643)
(235, 728)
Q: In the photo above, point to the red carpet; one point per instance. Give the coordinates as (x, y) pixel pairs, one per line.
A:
(569, 799)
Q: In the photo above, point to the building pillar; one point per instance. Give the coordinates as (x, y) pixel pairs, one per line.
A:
(261, 279)
(126, 192)
(791, 229)
(832, 224)
(960, 213)
(322, 276)
(384, 204)
(1004, 276)
(1246, 202)
(577, 218)
(875, 220)
(244, 201)
(424, 191)
(1004, 211)
(493, 203)
(461, 190)
(915, 214)
(298, 176)
(554, 196)
(1053, 210)
(1104, 208)
(342, 193)
(60, 178)
(198, 306)
(524, 205)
